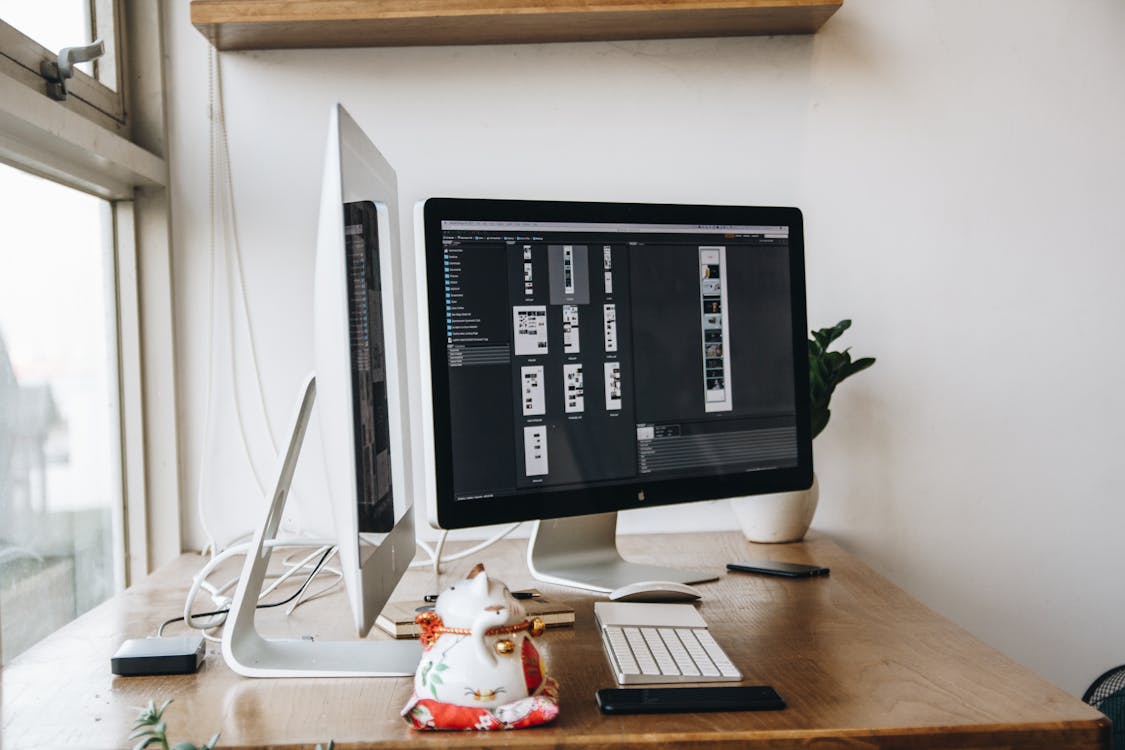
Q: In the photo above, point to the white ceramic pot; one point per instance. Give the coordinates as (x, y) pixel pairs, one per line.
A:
(780, 517)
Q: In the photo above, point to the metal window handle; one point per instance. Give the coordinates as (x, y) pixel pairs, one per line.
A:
(55, 72)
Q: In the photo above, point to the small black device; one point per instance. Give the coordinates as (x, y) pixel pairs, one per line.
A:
(774, 568)
(668, 700)
(151, 656)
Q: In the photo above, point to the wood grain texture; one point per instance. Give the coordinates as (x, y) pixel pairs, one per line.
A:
(860, 663)
(271, 24)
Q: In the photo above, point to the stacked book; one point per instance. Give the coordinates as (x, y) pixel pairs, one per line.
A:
(397, 618)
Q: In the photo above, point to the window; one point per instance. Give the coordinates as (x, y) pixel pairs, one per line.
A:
(88, 471)
(61, 532)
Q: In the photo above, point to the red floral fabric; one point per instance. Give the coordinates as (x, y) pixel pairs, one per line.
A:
(540, 708)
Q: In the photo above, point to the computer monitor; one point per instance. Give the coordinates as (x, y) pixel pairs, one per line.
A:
(580, 359)
(358, 391)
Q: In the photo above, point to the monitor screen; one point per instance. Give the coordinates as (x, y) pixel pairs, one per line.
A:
(371, 421)
(595, 357)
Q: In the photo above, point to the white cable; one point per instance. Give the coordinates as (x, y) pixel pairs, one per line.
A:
(244, 296)
(425, 548)
(435, 555)
(483, 545)
(301, 595)
(199, 580)
(318, 552)
(324, 568)
(224, 168)
(222, 205)
(438, 549)
(207, 415)
(431, 555)
(200, 577)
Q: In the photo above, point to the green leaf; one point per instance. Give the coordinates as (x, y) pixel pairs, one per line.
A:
(820, 421)
(442, 667)
(146, 742)
(839, 328)
(436, 679)
(141, 733)
(184, 746)
(212, 742)
(826, 370)
(853, 367)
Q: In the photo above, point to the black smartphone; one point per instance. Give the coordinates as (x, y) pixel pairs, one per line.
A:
(774, 568)
(665, 700)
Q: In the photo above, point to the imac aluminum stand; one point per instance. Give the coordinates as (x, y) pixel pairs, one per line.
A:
(249, 654)
(582, 552)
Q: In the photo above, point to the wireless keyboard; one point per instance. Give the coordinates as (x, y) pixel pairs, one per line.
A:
(661, 643)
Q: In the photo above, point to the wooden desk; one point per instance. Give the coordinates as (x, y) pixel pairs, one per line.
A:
(860, 663)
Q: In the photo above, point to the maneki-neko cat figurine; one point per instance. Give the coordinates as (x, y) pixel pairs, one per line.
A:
(480, 668)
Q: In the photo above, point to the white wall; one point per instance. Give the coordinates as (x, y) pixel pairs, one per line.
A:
(961, 167)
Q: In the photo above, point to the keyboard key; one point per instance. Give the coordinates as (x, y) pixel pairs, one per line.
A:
(659, 651)
(716, 653)
(698, 654)
(640, 650)
(622, 654)
(679, 653)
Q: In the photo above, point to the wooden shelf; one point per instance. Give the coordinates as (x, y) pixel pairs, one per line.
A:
(277, 24)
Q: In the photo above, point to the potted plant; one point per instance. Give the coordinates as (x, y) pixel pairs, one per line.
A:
(786, 516)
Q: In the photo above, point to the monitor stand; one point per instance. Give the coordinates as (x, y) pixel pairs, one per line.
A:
(582, 552)
(249, 654)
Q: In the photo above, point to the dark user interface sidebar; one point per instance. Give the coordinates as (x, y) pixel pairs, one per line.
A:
(475, 333)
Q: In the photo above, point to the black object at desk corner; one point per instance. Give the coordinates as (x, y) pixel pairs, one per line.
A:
(156, 656)
(665, 700)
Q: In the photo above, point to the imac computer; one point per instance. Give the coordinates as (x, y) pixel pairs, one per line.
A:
(581, 359)
(358, 392)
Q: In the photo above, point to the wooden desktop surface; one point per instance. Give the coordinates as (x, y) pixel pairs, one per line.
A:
(860, 663)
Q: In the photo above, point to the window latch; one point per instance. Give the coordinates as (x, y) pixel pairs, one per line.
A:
(55, 72)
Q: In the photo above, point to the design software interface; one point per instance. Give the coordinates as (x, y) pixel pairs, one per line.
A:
(584, 353)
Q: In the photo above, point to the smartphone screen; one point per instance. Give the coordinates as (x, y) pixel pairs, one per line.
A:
(774, 568)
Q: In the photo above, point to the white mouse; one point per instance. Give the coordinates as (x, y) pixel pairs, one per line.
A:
(655, 591)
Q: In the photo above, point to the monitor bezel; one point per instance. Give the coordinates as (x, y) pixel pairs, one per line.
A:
(544, 504)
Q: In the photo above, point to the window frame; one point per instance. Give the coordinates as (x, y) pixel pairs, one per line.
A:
(115, 150)
(21, 56)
